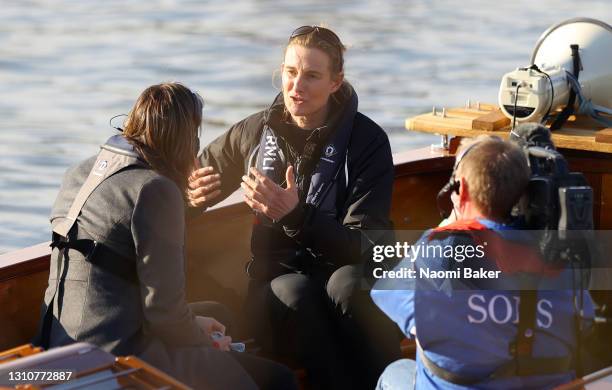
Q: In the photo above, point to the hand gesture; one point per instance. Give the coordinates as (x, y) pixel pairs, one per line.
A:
(267, 197)
(204, 186)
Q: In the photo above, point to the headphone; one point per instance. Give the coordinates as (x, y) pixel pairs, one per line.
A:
(445, 204)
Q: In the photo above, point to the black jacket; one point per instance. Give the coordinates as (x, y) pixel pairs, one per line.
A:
(362, 200)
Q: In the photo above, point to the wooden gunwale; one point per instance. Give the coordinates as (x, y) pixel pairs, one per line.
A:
(24, 261)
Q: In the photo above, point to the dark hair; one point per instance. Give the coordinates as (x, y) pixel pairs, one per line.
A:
(164, 126)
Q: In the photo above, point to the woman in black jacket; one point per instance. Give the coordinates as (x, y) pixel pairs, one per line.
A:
(117, 268)
(318, 175)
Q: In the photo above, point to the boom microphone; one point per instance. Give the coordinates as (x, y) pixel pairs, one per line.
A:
(532, 134)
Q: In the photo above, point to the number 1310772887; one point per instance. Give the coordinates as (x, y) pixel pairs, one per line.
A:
(35, 376)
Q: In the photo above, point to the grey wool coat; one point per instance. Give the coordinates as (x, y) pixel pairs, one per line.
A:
(129, 297)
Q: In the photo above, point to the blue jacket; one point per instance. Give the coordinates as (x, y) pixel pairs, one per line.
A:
(466, 325)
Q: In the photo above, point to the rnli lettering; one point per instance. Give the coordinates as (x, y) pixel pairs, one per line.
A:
(270, 153)
(501, 309)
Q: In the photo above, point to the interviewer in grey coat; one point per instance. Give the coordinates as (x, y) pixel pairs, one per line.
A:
(120, 264)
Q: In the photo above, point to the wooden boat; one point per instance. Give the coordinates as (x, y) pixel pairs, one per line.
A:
(218, 241)
(83, 366)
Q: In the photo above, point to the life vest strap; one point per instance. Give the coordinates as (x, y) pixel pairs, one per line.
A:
(521, 367)
(86, 246)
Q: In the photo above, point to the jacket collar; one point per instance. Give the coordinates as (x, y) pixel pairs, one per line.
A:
(120, 145)
(513, 250)
(341, 114)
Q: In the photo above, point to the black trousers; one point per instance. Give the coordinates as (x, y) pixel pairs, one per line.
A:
(326, 322)
(266, 374)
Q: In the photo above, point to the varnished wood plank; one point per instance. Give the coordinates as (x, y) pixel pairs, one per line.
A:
(436, 124)
(19, 352)
(147, 376)
(470, 113)
(493, 121)
(579, 134)
(604, 135)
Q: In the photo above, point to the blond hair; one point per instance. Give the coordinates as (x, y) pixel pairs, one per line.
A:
(335, 53)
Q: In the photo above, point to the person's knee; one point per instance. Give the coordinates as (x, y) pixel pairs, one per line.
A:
(344, 287)
(293, 290)
(398, 375)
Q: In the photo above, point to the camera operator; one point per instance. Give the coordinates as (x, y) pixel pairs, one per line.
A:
(482, 332)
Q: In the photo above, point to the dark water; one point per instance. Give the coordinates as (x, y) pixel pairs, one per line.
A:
(66, 67)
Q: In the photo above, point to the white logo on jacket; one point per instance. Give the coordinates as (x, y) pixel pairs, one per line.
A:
(330, 150)
(501, 310)
(270, 153)
(100, 168)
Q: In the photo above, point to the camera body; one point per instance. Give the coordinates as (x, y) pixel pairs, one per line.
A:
(557, 203)
(556, 198)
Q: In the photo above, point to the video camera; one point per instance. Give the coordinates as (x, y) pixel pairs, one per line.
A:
(557, 205)
(557, 202)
